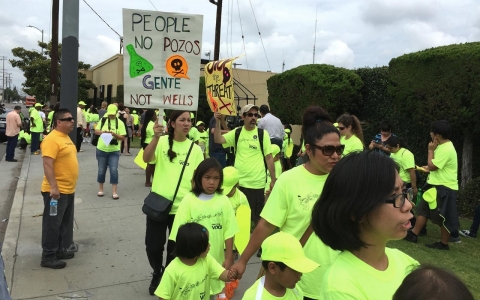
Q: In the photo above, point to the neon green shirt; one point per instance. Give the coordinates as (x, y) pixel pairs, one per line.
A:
(353, 144)
(238, 199)
(120, 131)
(287, 147)
(50, 119)
(351, 278)
(167, 173)
(445, 159)
(92, 118)
(37, 120)
(405, 160)
(290, 294)
(217, 216)
(203, 140)
(278, 171)
(193, 134)
(135, 119)
(149, 133)
(180, 281)
(289, 207)
(248, 158)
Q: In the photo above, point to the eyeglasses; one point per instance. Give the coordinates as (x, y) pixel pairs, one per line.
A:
(69, 119)
(252, 114)
(399, 199)
(328, 150)
(340, 128)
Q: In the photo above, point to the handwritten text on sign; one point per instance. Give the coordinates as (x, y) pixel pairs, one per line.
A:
(219, 85)
(162, 59)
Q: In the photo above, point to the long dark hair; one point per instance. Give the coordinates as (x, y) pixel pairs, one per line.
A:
(148, 117)
(351, 120)
(191, 240)
(173, 117)
(316, 123)
(205, 166)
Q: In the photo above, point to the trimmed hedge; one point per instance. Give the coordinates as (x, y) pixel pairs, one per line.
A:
(468, 198)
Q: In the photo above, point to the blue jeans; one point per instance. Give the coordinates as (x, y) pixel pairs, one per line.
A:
(11, 145)
(109, 159)
(221, 156)
(35, 141)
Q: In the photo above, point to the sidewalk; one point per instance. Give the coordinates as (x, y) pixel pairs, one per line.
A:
(111, 262)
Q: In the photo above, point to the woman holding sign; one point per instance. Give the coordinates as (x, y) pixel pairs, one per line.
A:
(167, 177)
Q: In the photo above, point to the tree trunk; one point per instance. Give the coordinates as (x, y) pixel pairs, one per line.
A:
(467, 159)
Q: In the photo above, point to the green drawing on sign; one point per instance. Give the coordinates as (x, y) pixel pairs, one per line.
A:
(138, 64)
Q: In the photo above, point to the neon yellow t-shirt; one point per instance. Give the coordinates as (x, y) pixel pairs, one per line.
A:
(135, 119)
(180, 281)
(37, 120)
(217, 216)
(278, 171)
(248, 157)
(405, 160)
(167, 173)
(351, 278)
(120, 131)
(149, 133)
(238, 199)
(203, 140)
(289, 207)
(50, 120)
(353, 144)
(445, 159)
(93, 118)
(193, 134)
(290, 294)
(287, 147)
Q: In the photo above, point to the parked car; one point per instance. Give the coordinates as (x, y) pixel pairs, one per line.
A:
(3, 123)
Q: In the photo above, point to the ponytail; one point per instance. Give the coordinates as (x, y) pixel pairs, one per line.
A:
(171, 154)
(351, 120)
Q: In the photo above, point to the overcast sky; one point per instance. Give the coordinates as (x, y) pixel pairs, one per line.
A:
(350, 33)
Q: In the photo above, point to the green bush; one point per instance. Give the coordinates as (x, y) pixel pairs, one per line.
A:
(468, 198)
(335, 89)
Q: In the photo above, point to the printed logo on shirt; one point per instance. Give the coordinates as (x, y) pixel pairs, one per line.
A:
(202, 296)
(182, 162)
(307, 202)
(190, 286)
(255, 137)
(252, 147)
(203, 217)
(217, 226)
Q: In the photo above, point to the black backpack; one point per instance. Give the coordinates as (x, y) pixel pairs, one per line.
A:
(260, 138)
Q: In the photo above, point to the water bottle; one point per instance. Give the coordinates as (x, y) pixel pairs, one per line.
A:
(53, 207)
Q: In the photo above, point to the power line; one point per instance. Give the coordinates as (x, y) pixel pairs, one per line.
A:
(243, 39)
(103, 19)
(153, 5)
(259, 34)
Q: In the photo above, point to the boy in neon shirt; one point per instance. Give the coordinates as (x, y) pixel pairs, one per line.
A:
(284, 262)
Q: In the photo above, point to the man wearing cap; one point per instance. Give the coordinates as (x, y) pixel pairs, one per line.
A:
(272, 125)
(203, 137)
(251, 160)
(36, 128)
(284, 262)
(14, 123)
(81, 124)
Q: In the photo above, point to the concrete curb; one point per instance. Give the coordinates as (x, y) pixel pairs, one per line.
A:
(9, 250)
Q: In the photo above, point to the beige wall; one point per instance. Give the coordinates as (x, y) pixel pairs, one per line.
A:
(107, 72)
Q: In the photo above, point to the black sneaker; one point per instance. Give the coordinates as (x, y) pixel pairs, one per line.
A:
(411, 237)
(73, 248)
(423, 231)
(53, 264)
(154, 283)
(438, 246)
(65, 254)
(467, 233)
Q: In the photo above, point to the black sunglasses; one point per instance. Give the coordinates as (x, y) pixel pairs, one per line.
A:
(340, 128)
(399, 199)
(251, 115)
(69, 119)
(328, 150)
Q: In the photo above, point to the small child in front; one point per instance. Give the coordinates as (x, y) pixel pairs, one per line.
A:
(284, 262)
(188, 275)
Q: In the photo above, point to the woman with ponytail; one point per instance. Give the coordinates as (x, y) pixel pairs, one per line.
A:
(351, 133)
(169, 153)
(291, 201)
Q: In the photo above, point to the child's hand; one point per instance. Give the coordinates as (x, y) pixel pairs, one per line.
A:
(232, 274)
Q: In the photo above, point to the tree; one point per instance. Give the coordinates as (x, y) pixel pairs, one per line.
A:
(440, 83)
(12, 94)
(36, 69)
(337, 90)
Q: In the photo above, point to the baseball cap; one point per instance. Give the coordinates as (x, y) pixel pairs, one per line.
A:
(288, 130)
(200, 123)
(248, 107)
(284, 247)
(230, 179)
(430, 196)
(38, 104)
(112, 110)
(134, 112)
(81, 103)
(275, 150)
(192, 115)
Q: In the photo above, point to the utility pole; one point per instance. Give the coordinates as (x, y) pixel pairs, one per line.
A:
(54, 53)
(218, 28)
(3, 58)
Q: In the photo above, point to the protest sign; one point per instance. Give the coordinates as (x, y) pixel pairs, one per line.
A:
(162, 59)
(219, 86)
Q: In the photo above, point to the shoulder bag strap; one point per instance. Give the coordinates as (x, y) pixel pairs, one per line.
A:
(181, 174)
(306, 235)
